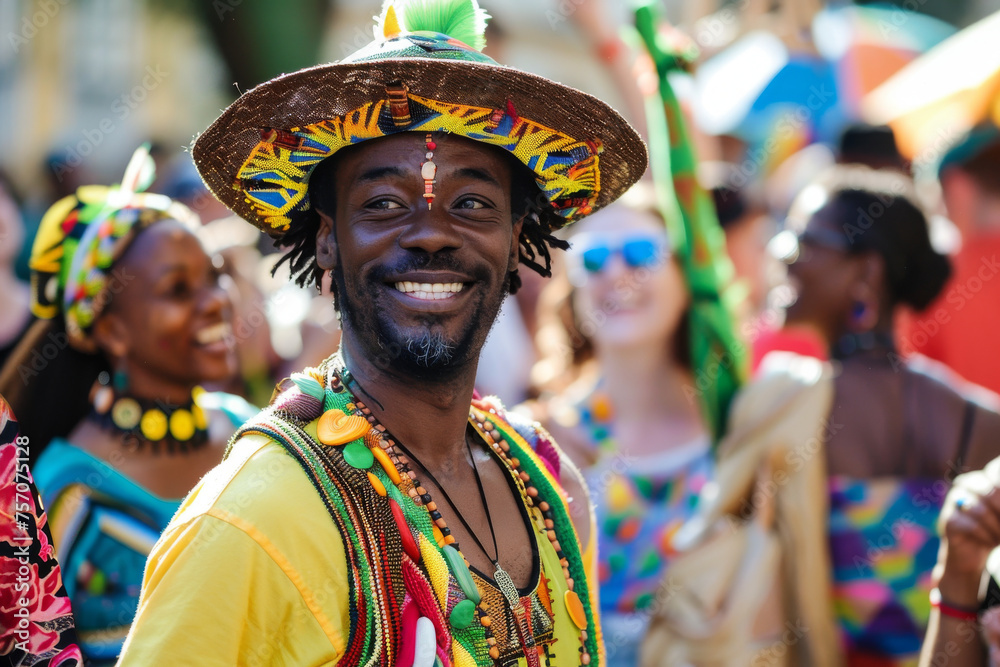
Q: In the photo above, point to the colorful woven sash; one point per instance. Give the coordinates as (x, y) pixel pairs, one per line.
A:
(381, 576)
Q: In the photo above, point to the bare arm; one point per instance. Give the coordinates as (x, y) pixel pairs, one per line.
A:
(971, 530)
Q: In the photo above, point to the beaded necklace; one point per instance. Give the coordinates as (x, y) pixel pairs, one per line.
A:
(337, 440)
(500, 576)
(460, 566)
(177, 428)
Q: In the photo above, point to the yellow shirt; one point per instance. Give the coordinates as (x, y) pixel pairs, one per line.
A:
(252, 571)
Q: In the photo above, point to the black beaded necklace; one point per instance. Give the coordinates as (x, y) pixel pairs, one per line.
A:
(503, 580)
(500, 576)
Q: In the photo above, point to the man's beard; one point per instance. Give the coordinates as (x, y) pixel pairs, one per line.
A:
(430, 354)
(432, 350)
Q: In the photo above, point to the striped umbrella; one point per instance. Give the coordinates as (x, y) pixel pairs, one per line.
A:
(945, 92)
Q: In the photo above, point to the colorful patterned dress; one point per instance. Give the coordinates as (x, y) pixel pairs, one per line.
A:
(36, 622)
(104, 526)
(640, 504)
(884, 544)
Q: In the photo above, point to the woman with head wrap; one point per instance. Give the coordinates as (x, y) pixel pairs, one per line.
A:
(107, 386)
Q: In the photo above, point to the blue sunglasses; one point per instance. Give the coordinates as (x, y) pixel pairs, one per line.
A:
(637, 251)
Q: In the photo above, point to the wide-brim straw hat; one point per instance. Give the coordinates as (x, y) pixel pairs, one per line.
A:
(258, 155)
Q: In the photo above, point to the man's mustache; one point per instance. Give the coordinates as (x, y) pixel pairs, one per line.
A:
(438, 261)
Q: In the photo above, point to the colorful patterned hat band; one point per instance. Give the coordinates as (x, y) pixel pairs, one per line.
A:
(424, 73)
(81, 237)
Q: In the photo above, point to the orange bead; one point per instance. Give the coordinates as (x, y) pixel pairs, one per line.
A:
(485, 621)
(376, 484)
(576, 611)
(495, 653)
(386, 463)
(337, 428)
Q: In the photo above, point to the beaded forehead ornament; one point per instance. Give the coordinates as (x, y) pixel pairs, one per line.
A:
(428, 170)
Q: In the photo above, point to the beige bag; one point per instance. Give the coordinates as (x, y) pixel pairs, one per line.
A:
(753, 586)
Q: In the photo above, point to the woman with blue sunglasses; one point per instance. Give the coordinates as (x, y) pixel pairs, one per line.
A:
(631, 417)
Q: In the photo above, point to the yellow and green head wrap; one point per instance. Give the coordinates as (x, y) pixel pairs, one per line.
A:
(82, 235)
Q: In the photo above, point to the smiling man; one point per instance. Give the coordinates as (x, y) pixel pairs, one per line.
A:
(376, 512)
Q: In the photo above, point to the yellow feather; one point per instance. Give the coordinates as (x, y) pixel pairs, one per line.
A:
(390, 22)
(460, 656)
(437, 568)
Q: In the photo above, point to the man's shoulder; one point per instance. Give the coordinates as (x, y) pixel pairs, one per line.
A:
(257, 485)
(525, 426)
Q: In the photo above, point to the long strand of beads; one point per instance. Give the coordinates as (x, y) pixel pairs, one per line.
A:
(495, 440)
(410, 485)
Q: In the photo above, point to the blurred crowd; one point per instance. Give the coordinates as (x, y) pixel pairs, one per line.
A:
(856, 184)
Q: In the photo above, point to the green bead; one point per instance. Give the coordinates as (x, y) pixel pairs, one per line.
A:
(650, 564)
(461, 572)
(335, 401)
(616, 562)
(359, 456)
(462, 615)
(308, 386)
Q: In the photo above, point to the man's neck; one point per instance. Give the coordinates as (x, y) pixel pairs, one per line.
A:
(647, 382)
(428, 416)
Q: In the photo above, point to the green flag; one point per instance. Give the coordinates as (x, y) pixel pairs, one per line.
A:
(718, 357)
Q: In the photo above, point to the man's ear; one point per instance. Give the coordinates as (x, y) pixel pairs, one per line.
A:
(872, 270)
(111, 334)
(326, 243)
(515, 245)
